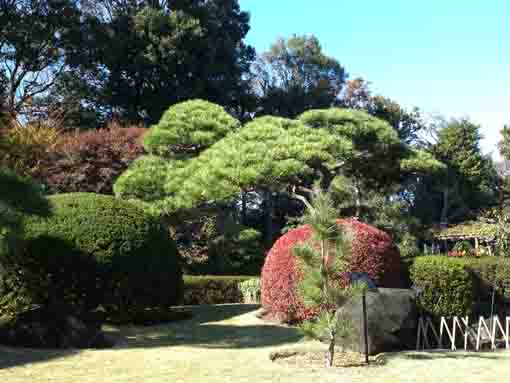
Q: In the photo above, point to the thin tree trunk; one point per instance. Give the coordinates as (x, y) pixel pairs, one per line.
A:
(444, 210)
(331, 351)
(357, 194)
(269, 217)
(243, 208)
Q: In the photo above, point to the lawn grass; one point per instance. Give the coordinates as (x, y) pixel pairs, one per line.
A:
(224, 344)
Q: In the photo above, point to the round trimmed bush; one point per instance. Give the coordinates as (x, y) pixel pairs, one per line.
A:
(94, 249)
(372, 252)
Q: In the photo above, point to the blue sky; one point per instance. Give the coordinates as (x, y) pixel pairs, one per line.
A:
(447, 57)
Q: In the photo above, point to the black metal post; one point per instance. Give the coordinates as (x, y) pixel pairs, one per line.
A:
(493, 301)
(365, 325)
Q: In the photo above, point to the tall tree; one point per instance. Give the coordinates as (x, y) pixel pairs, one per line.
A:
(504, 165)
(504, 143)
(199, 158)
(142, 56)
(35, 37)
(295, 75)
(408, 123)
(470, 182)
(267, 157)
(378, 160)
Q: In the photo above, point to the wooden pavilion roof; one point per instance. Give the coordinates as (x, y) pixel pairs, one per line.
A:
(469, 230)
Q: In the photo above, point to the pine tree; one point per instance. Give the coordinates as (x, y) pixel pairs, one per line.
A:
(467, 184)
(504, 144)
(322, 260)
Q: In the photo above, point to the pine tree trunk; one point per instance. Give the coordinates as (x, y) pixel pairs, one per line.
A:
(269, 218)
(357, 193)
(331, 352)
(243, 208)
(444, 210)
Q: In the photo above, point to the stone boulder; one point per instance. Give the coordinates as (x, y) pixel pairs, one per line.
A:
(392, 321)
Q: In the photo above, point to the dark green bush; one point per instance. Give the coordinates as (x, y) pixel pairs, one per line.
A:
(95, 249)
(212, 289)
(447, 285)
(490, 273)
(453, 286)
(219, 245)
(238, 254)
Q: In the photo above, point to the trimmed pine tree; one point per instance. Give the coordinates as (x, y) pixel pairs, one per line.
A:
(322, 260)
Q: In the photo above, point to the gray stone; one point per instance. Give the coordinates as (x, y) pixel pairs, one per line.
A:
(392, 321)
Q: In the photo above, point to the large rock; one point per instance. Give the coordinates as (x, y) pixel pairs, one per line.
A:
(392, 321)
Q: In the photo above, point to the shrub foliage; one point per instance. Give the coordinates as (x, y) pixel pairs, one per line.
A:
(372, 252)
(91, 161)
(453, 286)
(446, 284)
(92, 250)
(26, 148)
(212, 289)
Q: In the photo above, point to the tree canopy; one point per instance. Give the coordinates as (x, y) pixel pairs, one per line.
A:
(470, 182)
(35, 37)
(147, 55)
(296, 75)
(269, 153)
(187, 128)
(408, 123)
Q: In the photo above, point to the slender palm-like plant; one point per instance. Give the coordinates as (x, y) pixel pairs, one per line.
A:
(322, 260)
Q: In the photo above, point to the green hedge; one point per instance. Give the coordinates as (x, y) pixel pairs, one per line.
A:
(489, 273)
(212, 289)
(446, 284)
(93, 250)
(453, 286)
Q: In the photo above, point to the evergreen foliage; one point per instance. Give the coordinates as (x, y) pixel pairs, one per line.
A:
(504, 144)
(213, 289)
(93, 250)
(409, 124)
(187, 128)
(140, 58)
(267, 153)
(378, 155)
(19, 198)
(295, 75)
(446, 284)
(378, 163)
(502, 235)
(469, 183)
(321, 260)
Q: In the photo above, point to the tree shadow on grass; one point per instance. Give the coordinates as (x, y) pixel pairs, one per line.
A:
(446, 354)
(12, 356)
(210, 327)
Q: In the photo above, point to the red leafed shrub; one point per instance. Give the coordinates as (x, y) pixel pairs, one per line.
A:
(91, 161)
(373, 252)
